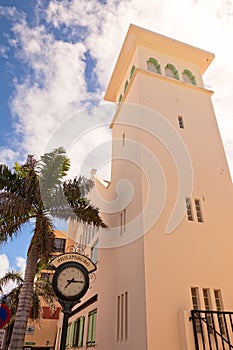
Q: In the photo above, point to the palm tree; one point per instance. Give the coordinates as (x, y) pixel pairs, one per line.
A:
(36, 192)
(42, 289)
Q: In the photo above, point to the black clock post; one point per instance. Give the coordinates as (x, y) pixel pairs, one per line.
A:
(70, 283)
(67, 310)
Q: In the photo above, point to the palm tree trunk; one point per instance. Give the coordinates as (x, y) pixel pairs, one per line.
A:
(19, 331)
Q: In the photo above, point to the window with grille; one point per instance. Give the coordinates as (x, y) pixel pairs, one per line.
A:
(60, 244)
(189, 209)
(219, 307)
(198, 210)
(196, 305)
(195, 298)
(208, 306)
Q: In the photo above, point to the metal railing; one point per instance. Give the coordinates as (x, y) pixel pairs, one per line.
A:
(213, 330)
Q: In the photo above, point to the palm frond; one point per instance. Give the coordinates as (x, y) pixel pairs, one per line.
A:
(80, 205)
(35, 311)
(44, 289)
(10, 228)
(53, 167)
(13, 205)
(9, 181)
(14, 276)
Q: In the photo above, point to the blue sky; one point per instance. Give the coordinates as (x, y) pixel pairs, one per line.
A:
(56, 58)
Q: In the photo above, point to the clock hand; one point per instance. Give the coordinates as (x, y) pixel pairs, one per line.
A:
(74, 281)
(69, 282)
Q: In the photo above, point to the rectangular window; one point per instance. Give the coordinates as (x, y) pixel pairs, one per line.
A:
(47, 276)
(91, 331)
(195, 298)
(181, 122)
(123, 221)
(60, 244)
(198, 210)
(208, 306)
(94, 252)
(123, 139)
(68, 335)
(122, 317)
(118, 317)
(196, 305)
(189, 209)
(219, 307)
(78, 332)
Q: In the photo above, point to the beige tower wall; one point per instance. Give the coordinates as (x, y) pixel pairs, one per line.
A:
(157, 270)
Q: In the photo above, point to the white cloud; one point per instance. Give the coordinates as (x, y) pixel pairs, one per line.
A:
(57, 88)
(21, 263)
(55, 92)
(5, 264)
(8, 156)
(5, 267)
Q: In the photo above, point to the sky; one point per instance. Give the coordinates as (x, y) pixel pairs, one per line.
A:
(56, 59)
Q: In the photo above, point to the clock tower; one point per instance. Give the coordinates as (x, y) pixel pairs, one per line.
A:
(167, 145)
(164, 274)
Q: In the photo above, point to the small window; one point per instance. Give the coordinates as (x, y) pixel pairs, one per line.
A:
(208, 306)
(189, 209)
(68, 335)
(94, 252)
(132, 71)
(188, 77)
(120, 98)
(171, 71)
(218, 299)
(78, 332)
(123, 139)
(123, 221)
(195, 298)
(181, 122)
(122, 317)
(47, 276)
(153, 65)
(59, 244)
(198, 210)
(196, 305)
(219, 307)
(91, 331)
(126, 85)
(206, 296)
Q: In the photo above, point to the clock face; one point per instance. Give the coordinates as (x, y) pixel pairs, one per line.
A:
(70, 281)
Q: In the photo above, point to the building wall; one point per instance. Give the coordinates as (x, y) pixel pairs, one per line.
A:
(144, 281)
(195, 254)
